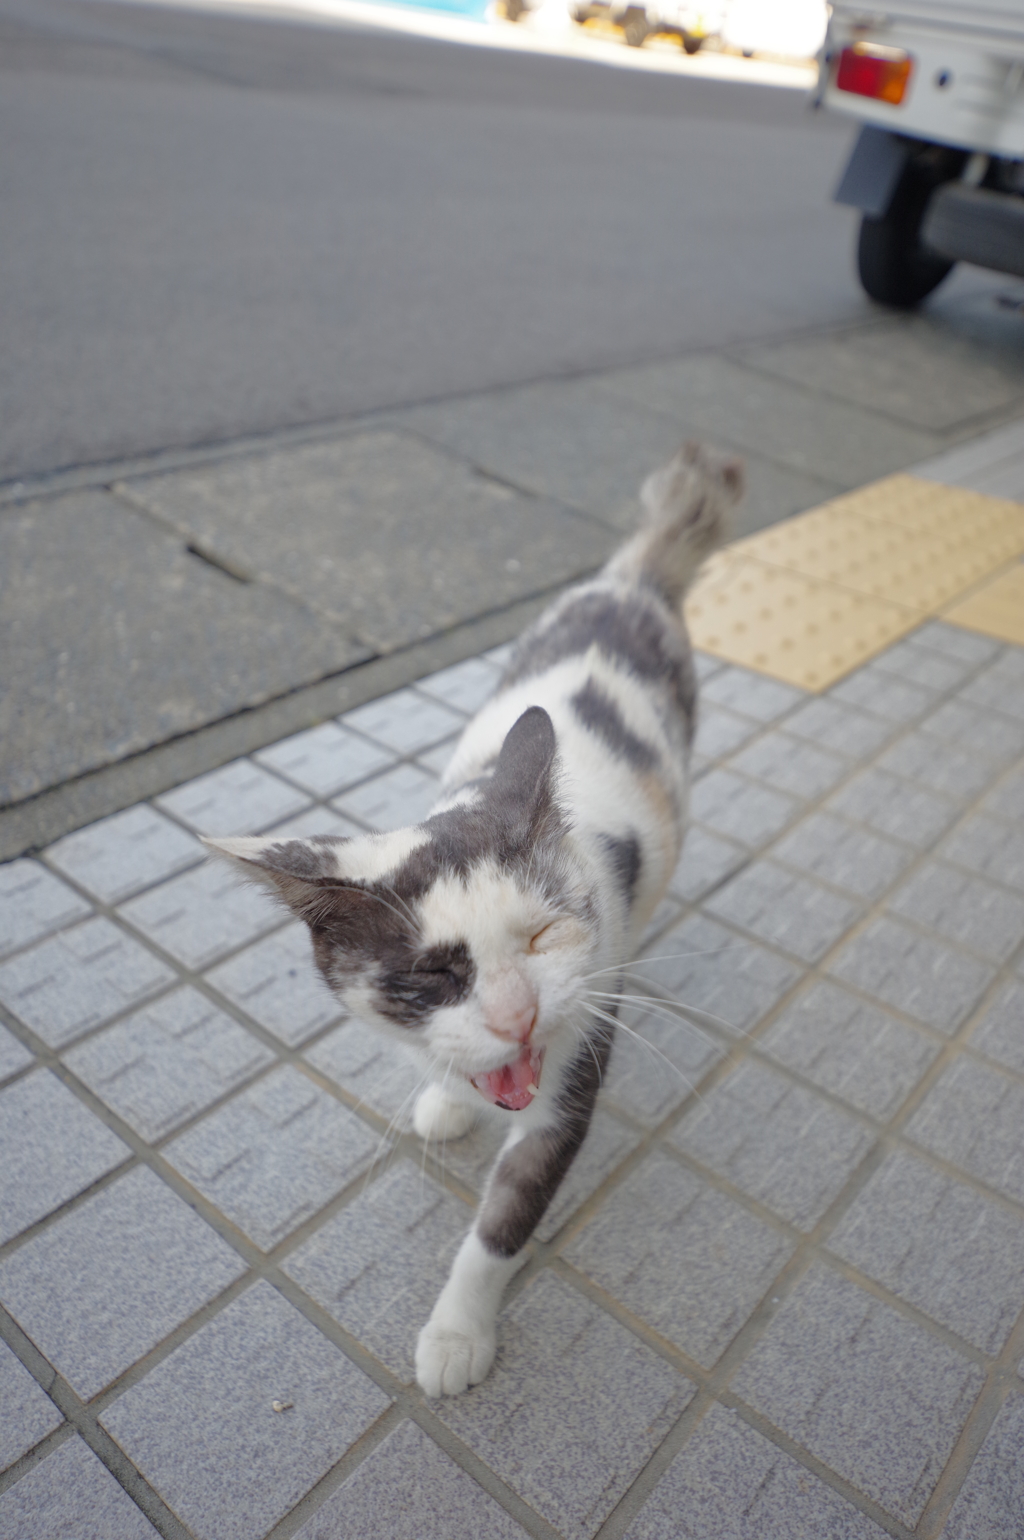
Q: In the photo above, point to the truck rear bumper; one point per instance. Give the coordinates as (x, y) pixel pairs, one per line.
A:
(973, 224)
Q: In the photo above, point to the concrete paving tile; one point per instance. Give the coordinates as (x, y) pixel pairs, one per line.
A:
(707, 860)
(873, 689)
(891, 806)
(752, 695)
(834, 725)
(988, 733)
(465, 686)
(844, 854)
(991, 1500)
(791, 764)
(499, 657)
(239, 798)
(42, 1172)
(954, 642)
(972, 1117)
(33, 902)
(407, 1489)
(201, 1425)
(906, 369)
(402, 796)
(953, 772)
(740, 809)
(962, 908)
(923, 666)
(122, 855)
(989, 847)
(71, 1496)
(274, 1154)
(1000, 1033)
(384, 534)
(26, 1412)
(14, 1056)
(775, 1141)
(1007, 799)
(940, 1245)
(161, 1066)
(438, 759)
(405, 721)
(719, 731)
(316, 820)
(325, 759)
(913, 973)
(784, 909)
(687, 1260)
(568, 440)
(647, 1078)
(799, 428)
(716, 973)
(705, 665)
(378, 1266)
(850, 1048)
(572, 1410)
(999, 687)
(202, 914)
(381, 1073)
(78, 979)
(730, 1483)
(101, 1287)
(669, 912)
(871, 1394)
(277, 984)
(129, 602)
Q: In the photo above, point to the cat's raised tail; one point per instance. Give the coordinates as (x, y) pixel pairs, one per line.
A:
(687, 503)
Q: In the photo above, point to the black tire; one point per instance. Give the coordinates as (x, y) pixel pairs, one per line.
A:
(692, 44)
(635, 28)
(895, 268)
(514, 9)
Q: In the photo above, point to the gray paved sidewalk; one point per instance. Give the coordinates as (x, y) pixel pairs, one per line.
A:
(167, 616)
(782, 1290)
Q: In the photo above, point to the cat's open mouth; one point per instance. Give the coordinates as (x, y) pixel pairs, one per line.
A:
(514, 1085)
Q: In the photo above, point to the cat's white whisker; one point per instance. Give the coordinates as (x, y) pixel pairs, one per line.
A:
(653, 1048)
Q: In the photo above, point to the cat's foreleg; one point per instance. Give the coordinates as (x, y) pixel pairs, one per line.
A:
(439, 1115)
(456, 1347)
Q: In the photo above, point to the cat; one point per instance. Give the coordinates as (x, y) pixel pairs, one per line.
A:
(482, 934)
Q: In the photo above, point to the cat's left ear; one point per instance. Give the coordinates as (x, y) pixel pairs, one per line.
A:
(298, 871)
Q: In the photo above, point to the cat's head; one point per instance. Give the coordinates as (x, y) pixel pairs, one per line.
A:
(469, 934)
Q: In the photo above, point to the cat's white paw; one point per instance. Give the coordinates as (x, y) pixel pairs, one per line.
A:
(448, 1362)
(439, 1116)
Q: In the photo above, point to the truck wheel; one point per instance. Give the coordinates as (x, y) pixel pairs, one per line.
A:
(514, 9)
(691, 43)
(635, 28)
(894, 266)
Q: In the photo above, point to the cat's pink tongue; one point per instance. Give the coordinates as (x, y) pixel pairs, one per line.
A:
(514, 1085)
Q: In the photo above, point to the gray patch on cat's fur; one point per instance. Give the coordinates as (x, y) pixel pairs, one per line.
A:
(526, 1178)
(632, 628)
(626, 860)
(596, 710)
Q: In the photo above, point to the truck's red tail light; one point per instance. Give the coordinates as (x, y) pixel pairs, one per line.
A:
(867, 69)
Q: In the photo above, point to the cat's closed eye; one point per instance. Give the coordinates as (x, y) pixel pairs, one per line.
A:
(562, 932)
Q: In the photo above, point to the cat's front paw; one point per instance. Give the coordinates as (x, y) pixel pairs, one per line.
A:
(439, 1117)
(448, 1362)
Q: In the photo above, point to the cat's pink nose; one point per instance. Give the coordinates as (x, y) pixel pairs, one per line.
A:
(515, 1027)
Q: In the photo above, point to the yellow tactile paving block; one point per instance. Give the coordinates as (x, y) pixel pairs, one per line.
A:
(996, 608)
(812, 598)
(915, 542)
(792, 627)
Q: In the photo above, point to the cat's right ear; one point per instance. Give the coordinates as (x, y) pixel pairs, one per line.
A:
(303, 873)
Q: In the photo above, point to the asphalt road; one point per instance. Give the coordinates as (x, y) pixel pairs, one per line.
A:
(215, 226)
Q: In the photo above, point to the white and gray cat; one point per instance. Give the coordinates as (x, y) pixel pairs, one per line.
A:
(485, 934)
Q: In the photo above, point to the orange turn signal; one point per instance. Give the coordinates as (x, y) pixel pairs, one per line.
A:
(867, 69)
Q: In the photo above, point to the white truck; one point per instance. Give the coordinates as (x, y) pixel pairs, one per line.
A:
(938, 168)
